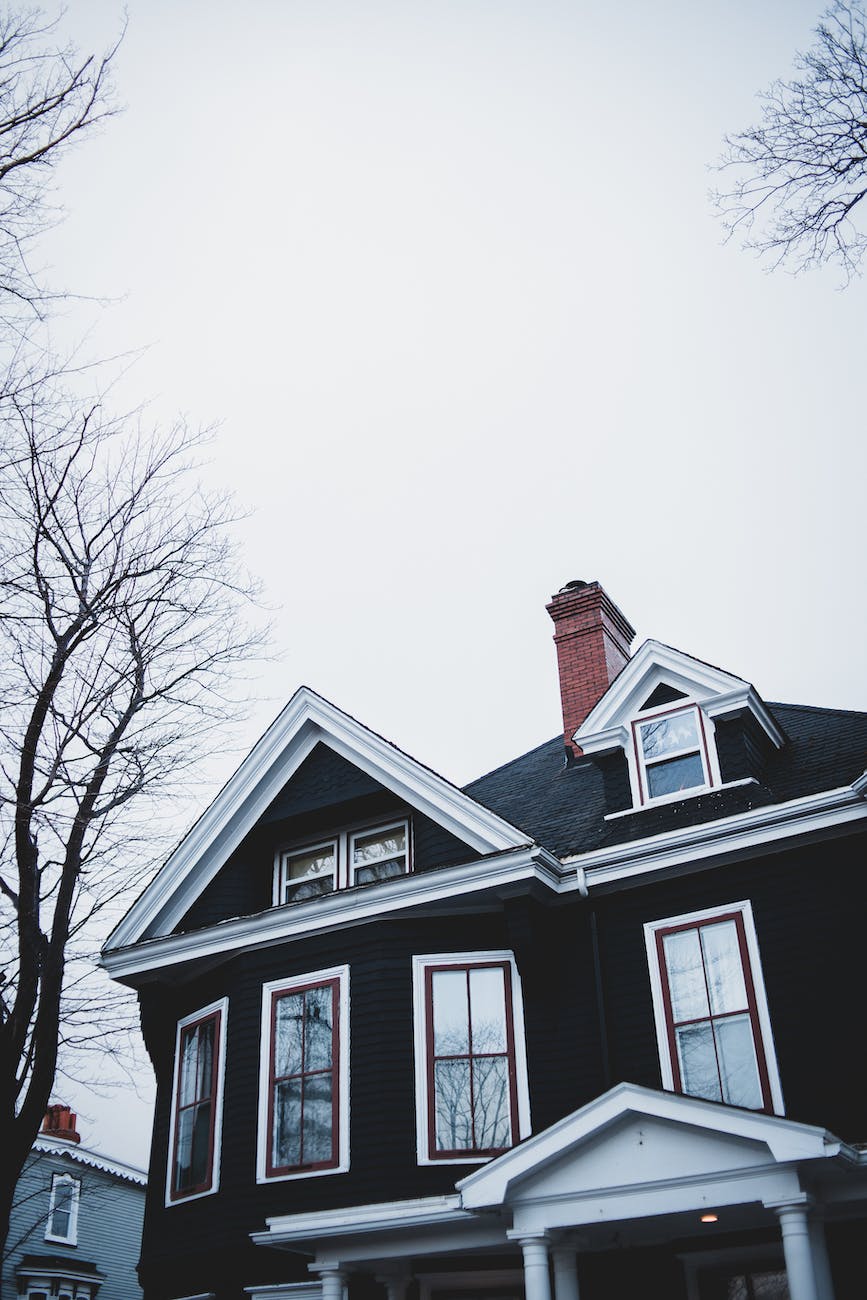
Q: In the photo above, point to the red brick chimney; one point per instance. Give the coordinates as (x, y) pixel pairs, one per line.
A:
(592, 639)
(59, 1122)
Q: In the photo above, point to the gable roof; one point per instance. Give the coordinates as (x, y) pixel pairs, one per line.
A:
(307, 720)
(654, 664)
(784, 1140)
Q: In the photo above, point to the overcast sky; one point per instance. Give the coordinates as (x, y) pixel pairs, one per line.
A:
(447, 276)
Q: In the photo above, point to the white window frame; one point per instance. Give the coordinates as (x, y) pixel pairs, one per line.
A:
(422, 1099)
(269, 991)
(758, 982)
(342, 841)
(221, 1005)
(382, 828)
(641, 796)
(57, 1180)
(282, 859)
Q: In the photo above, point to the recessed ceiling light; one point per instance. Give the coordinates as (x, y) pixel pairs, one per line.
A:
(710, 1218)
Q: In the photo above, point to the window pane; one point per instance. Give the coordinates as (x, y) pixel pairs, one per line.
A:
(184, 1149)
(737, 1062)
(288, 1034)
(380, 871)
(686, 984)
(308, 874)
(379, 844)
(189, 1057)
(286, 1138)
(675, 774)
(453, 1106)
(317, 1119)
(62, 1209)
(488, 1010)
(491, 1100)
(205, 1036)
(770, 1285)
(698, 1071)
(668, 735)
(201, 1144)
(722, 959)
(319, 1029)
(450, 1012)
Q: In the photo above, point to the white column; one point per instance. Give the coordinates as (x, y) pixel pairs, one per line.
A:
(333, 1280)
(821, 1263)
(395, 1285)
(565, 1273)
(797, 1248)
(537, 1279)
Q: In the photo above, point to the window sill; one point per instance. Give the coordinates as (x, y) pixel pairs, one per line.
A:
(680, 797)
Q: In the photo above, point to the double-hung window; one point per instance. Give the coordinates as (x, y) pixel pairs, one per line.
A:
(471, 1072)
(672, 753)
(711, 1011)
(194, 1158)
(62, 1223)
(303, 1114)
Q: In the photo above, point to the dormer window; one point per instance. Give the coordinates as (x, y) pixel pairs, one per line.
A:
(672, 754)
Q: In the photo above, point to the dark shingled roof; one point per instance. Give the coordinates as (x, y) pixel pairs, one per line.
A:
(563, 807)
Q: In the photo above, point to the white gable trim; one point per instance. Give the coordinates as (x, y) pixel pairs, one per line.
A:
(307, 720)
(786, 1140)
(717, 692)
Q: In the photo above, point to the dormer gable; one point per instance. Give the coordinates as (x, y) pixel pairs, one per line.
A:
(680, 726)
(308, 726)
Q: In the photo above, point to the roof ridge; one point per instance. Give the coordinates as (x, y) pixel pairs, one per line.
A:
(509, 761)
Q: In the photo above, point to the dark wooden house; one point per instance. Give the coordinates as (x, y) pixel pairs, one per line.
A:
(591, 1026)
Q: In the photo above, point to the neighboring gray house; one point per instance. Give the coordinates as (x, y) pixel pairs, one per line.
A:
(76, 1222)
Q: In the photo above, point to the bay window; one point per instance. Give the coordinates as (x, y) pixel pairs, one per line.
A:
(197, 1104)
(470, 1059)
(712, 1018)
(303, 1124)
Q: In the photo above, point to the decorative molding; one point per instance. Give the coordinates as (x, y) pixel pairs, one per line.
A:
(81, 1155)
(331, 911)
(787, 1140)
(715, 691)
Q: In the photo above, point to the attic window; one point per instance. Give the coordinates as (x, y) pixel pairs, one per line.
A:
(356, 856)
(672, 754)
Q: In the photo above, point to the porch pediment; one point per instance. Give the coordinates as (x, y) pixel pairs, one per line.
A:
(635, 1151)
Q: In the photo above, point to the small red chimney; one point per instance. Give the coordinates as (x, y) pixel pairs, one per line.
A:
(592, 639)
(59, 1122)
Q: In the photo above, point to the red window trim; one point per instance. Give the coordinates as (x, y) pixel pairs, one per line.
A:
(644, 795)
(272, 1170)
(751, 1008)
(341, 840)
(176, 1193)
(470, 1153)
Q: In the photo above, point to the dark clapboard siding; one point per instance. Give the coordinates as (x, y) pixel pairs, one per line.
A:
(807, 903)
(326, 793)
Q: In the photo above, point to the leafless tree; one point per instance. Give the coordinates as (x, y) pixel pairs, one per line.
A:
(49, 96)
(798, 178)
(120, 614)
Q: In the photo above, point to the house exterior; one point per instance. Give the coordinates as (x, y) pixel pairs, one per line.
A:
(588, 1027)
(76, 1225)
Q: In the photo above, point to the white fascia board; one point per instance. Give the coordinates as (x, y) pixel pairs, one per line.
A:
(305, 721)
(745, 697)
(383, 1216)
(860, 786)
(341, 908)
(81, 1155)
(655, 660)
(739, 833)
(787, 1140)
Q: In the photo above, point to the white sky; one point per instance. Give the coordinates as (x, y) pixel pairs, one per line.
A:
(447, 275)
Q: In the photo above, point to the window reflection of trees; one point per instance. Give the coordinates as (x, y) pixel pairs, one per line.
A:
(472, 1095)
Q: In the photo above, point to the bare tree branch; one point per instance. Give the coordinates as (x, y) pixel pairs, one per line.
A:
(798, 178)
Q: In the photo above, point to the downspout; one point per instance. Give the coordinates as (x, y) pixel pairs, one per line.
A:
(584, 891)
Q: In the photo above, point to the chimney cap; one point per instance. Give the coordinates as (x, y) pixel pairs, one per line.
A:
(576, 584)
